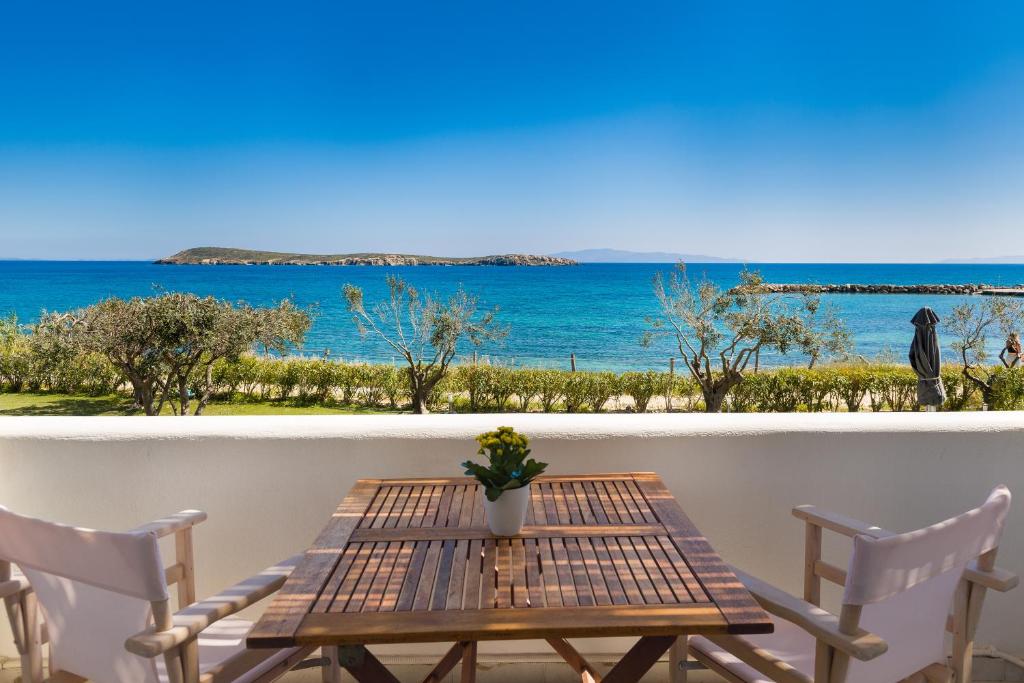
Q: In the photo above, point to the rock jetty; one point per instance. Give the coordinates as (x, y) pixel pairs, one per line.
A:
(963, 289)
(219, 256)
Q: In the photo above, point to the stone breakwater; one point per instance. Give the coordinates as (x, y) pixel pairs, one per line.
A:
(964, 289)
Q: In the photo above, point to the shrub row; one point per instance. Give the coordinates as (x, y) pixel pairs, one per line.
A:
(478, 388)
(24, 366)
(851, 388)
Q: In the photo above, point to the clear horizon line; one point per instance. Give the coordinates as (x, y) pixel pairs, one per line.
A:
(724, 262)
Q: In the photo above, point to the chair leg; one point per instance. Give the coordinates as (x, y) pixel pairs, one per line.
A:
(175, 667)
(963, 645)
(23, 613)
(677, 661)
(32, 660)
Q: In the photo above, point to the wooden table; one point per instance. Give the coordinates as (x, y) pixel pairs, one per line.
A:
(412, 560)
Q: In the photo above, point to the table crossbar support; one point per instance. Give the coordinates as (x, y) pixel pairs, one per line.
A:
(639, 660)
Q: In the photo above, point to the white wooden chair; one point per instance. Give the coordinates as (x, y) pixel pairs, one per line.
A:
(106, 609)
(901, 594)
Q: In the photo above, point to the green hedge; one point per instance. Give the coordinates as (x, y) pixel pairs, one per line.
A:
(489, 388)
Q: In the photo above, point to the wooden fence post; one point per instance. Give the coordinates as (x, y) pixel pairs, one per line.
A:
(572, 361)
(671, 384)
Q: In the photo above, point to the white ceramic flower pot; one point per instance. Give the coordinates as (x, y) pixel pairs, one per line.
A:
(506, 515)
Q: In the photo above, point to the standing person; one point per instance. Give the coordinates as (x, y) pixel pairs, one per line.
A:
(1011, 353)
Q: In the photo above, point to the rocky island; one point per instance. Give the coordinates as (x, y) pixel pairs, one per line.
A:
(221, 256)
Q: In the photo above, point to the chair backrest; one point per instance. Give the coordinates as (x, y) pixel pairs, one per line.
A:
(906, 584)
(95, 589)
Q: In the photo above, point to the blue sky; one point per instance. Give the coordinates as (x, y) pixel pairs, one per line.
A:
(766, 131)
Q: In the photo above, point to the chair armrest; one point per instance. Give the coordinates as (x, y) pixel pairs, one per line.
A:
(820, 623)
(14, 585)
(172, 523)
(188, 622)
(997, 579)
(841, 524)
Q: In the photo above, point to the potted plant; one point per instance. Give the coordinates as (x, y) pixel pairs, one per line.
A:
(506, 479)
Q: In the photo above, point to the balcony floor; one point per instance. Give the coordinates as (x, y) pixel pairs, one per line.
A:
(542, 672)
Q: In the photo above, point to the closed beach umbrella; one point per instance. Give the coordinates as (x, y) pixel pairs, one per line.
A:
(924, 358)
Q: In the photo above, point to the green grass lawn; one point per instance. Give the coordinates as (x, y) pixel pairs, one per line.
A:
(30, 403)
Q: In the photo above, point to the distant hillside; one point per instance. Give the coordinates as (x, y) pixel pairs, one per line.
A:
(622, 256)
(213, 256)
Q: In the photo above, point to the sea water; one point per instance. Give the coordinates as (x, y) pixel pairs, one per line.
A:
(596, 311)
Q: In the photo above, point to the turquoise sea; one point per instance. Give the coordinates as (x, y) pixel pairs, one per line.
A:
(596, 311)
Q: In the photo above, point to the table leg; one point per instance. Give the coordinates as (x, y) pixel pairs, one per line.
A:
(677, 661)
(469, 663)
(331, 671)
(574, 659)
(639, 660)
(363, 666)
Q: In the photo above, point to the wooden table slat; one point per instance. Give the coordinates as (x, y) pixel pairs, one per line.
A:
(600, 516)
(561, 504)
(533, 574)
(520, 589)
(323, 602)
(638, 498)
(369, 573)
(597, 583)
(552, 589)
(458, 578)
(474, 573)
(442, 582)
(583, 502)
(379, 495)
(738, 607)
(393, 592)
(412, 560)
(433, 503)
(611, 578)
(537, 506)
(504, 564)
(455, 510)
(489, 574)
(389, 502)
(564, 573)
(418, 515)
(569, 494)
(400, 515)
(627, 502)
(654, 573)
(444, 504)
(604, 495)
(623, 572)
(380, 582)
(580, 579)
(682, 570)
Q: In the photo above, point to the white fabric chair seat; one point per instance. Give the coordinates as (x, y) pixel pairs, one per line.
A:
(223, 640)
(789, 642)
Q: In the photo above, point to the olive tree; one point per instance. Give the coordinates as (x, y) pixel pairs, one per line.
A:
(720, 333)
(424, 330)
(14, 354)
(970, 325)
(167, 344)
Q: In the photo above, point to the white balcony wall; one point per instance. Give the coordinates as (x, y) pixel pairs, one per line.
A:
(270, 483)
